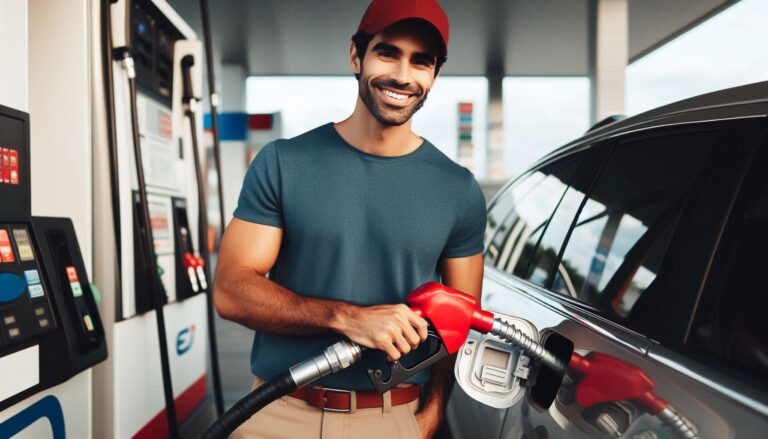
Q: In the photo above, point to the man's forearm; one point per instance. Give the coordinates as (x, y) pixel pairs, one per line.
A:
(252, 300)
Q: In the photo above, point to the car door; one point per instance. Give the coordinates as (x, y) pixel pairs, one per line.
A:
(724, 350)
(517, 218)
(628, 276)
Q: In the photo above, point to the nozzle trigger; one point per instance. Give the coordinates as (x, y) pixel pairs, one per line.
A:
(399, 373)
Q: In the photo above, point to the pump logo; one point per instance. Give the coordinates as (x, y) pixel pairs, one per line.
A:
(48, 407)
(184, 339)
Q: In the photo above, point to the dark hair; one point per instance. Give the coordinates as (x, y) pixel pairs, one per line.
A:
(363, 39)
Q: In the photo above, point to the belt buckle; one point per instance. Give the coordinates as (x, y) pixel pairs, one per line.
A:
(351, 400)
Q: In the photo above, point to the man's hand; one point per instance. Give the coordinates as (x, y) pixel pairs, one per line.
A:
(394, 329)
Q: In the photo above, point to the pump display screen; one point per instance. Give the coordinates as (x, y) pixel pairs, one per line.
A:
(24, 245)
(495, 358)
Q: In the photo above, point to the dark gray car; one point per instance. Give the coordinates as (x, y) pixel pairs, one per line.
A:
(645, 241)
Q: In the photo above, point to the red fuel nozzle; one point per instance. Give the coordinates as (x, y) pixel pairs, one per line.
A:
(606, 378)
(451, 312)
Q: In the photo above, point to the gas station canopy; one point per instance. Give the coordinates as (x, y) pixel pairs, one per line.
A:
(488, 37)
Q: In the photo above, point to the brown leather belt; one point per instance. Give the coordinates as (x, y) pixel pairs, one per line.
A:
(340, 400)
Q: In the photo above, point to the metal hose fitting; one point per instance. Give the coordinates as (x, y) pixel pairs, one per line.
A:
(509, 333)
(334, 358)
(678, 423)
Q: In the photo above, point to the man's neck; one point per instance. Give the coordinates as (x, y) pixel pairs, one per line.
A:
(363, 131)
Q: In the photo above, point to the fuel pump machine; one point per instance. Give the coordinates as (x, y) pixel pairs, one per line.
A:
(149, 252)
(50, 326)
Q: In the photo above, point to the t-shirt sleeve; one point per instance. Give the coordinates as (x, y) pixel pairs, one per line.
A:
(260, 198)
(466, 237)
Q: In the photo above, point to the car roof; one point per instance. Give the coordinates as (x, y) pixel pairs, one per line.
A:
(737, 102)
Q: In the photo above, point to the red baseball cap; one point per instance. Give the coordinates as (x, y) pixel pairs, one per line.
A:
(384, 13)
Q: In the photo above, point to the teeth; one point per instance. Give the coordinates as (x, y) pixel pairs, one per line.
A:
(395, 95)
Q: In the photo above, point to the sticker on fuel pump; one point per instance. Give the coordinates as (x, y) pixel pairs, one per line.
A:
(6, 252)
(6, 168)
(14, 168)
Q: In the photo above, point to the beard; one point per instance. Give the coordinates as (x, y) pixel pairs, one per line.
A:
(386, 114)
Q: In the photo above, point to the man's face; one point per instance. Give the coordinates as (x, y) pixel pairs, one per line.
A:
(397, 72)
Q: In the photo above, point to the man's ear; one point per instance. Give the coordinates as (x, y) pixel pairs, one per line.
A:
(354, 60)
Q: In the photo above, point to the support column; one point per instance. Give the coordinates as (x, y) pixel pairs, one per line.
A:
(495, 153)
(233, 123)
(609, 46)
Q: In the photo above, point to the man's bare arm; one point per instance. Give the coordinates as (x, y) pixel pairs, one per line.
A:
(242, 293)
(466, 275)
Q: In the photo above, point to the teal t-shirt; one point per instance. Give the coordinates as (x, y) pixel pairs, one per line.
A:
(357, 227)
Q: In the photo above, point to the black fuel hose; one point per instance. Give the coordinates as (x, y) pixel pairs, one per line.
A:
(214, 101)
(334, 358)
(188, 97)
(259, 398)
(155, 283)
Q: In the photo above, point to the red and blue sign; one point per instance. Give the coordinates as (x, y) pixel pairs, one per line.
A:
(235, 126)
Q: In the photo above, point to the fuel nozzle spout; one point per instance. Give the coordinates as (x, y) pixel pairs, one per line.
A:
(509, 333)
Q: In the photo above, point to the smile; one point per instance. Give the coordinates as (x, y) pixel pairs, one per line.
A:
(394, 95)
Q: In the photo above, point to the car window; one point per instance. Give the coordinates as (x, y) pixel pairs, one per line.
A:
(522, 213)
(544, 258)
(620, 238)
(731, 324)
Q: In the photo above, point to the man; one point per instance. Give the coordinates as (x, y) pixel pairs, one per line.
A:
(347, 219)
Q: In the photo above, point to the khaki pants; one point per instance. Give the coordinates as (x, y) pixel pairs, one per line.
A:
(293, 418)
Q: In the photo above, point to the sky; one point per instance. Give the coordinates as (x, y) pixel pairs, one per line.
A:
(728, 50)
(541, 114)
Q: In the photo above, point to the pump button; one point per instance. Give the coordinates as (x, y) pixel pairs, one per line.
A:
(36, 291)
(33, 277)
(43, 323)
(88, 322)
(71, 274)
(14, 332)
(39, 311)
(6, 251)
(9, 320)
(11, 287)
(77, 290)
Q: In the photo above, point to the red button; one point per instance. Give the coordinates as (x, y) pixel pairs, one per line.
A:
(72, 274)
(200, 261)
(6, 252)
(189, 260)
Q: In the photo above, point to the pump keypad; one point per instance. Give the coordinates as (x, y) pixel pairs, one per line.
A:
(25, 309)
